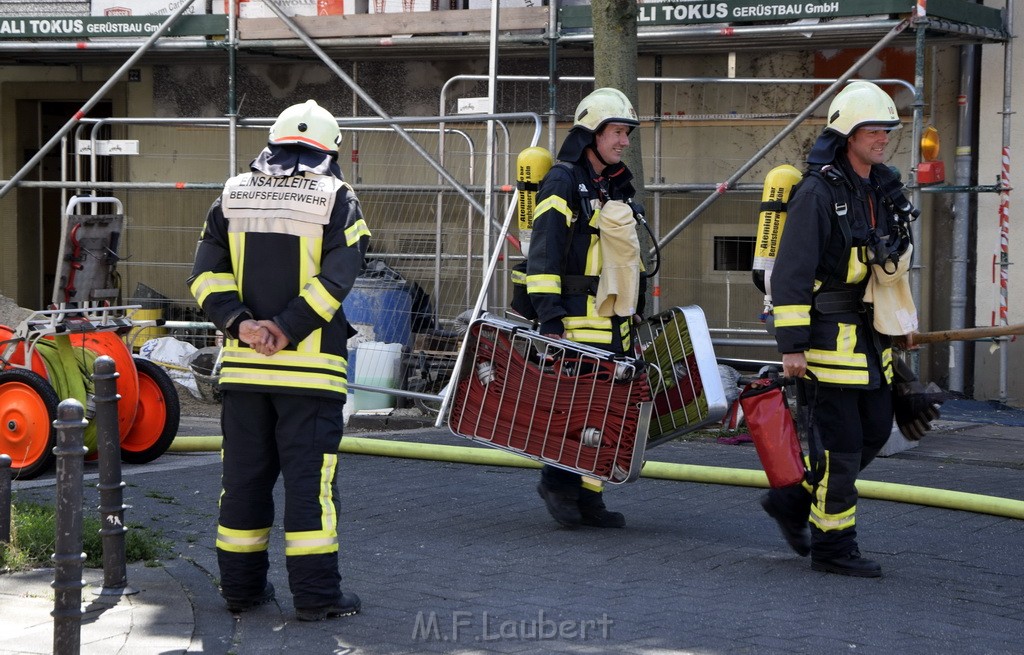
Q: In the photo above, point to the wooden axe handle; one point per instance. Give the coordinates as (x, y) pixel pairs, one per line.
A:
(968, 334)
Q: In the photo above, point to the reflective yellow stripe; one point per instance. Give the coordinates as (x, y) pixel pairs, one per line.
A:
(819, 517)
(590, 328)
(324, 540)
(207, 283)
(242, 541)
(856, 269)
(822, 488)
(556, 203)
(245, 355)
(544, 284)
(594, 322)
(594, 259)
(236, 245)
(319, 299)
(839, 376)
(842, 365)
(247, 367)
(832, 358)
(311, 381)
(830, 522)
(309, 257)
(312, 343)
(804, 483)
(311, 250)
(313, 542)
(792, 315)
(589, 336)
(356, 231)
(328, 514)
(887, 365)
(593, 484)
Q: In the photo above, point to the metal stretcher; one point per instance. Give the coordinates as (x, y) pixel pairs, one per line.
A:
(581, 408)
(681, 363)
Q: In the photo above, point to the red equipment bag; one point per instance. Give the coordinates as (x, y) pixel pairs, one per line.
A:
(774, 432)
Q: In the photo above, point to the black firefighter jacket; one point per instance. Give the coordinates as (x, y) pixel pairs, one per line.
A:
(286, 248)
(842, 347)
(565, 243)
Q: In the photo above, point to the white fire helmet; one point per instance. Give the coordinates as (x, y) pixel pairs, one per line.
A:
(861, 103)
(307, 124)
(605, 105)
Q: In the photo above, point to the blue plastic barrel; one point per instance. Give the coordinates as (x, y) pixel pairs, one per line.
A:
(385, 305)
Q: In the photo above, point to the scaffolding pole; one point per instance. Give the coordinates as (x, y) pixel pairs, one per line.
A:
(56, 138)
(759, 155)
(1004, 203)
(372, 104)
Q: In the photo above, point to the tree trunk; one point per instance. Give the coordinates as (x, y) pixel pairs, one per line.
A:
(615, 57)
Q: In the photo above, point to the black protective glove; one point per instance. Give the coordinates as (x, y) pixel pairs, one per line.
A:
(914, 404)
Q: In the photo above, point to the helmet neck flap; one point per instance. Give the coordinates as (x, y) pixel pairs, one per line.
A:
(286, 160)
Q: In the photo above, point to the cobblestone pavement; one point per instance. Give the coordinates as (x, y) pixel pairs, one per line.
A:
(456, 558)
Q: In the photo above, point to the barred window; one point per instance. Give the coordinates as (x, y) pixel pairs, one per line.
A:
(734, 253)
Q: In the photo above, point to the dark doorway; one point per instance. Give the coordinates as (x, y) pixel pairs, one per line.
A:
(40, 211)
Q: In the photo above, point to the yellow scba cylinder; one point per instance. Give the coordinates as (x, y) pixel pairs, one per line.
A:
(778, 184)
(532, 165)
(140, 335)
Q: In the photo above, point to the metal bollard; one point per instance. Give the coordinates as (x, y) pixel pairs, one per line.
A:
(68, 556)
(111, 486)
(5, 499)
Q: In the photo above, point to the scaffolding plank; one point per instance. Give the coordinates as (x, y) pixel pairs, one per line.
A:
(967, 12)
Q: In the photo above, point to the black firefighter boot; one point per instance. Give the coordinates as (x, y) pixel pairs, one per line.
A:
(595, 514)
(788, 507)
(852, 563)
(561, 501)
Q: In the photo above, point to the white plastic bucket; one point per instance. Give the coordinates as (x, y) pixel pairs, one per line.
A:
(377, 365)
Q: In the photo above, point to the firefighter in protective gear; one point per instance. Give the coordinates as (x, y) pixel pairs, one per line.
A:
(848, 202)
(280, 250)
(564, 267)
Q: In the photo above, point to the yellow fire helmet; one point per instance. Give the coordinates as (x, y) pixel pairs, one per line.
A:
(604, 105)
(861, 103)
(307, 124)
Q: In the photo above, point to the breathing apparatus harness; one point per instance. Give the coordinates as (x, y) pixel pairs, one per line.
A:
(885, 251)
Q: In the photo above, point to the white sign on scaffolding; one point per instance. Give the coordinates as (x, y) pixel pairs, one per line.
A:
(109, 147)
(474, 106)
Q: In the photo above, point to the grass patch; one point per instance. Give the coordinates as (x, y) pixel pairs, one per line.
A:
(165, 498)
(33, 540)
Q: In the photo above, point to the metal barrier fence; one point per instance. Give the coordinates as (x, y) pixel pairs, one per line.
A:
(430, 242)
(433, 222)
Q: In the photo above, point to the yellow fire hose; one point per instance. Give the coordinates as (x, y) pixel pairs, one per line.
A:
(900, 493)
(69, 370)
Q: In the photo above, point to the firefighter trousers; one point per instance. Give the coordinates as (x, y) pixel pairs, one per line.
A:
(295, 437)
(854, 425)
